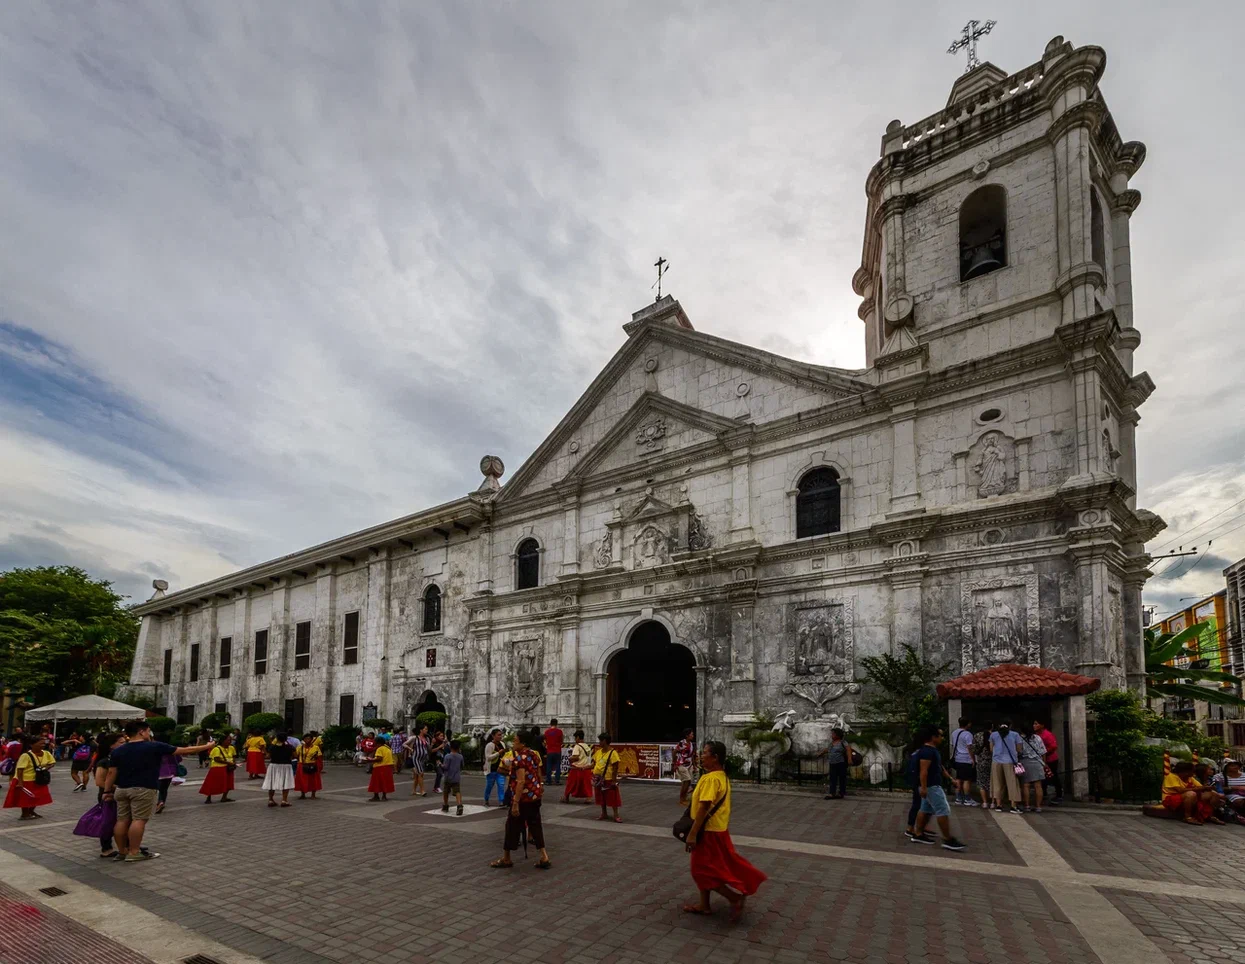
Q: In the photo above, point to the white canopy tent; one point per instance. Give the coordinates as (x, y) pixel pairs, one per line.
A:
(86, 708)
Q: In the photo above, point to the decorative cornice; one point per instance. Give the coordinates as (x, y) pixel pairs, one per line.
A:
(1088, 114)
(1126, 201)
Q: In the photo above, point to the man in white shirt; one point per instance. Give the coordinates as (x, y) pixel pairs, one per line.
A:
(964, 762)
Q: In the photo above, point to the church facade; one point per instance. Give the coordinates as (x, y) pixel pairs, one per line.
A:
(713, 530)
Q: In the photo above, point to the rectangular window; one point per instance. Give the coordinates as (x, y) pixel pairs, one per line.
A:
(186, 714)
(261, 652)
(168, 666)
(219, 708)
(226, 655)
(302, 646)
(294, 717)
(250, 709)
(194, 662)
(345, 712)
(350, 640)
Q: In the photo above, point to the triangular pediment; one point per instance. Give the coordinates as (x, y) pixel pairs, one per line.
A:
(658, 362)
(654, 426)
(649, 507)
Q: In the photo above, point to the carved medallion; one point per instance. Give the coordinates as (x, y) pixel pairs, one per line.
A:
(650, 433)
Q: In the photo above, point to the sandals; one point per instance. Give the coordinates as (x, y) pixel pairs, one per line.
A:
(502, 864)
(544, 865)
(285, 804)
(697, 909)
(272, 803)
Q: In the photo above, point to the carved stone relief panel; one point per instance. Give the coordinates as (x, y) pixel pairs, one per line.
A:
(1000, 622)
(821, 656)
(992, 464)
(651, 548)
(526, 669)
(1115, 635)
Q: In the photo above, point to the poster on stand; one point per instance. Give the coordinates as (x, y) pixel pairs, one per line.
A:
(646, 761)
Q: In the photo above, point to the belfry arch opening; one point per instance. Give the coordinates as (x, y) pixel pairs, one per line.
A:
(650, 688)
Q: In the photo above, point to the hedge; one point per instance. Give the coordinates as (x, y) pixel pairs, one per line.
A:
(432, 719)
(162, 727)
(263, 722)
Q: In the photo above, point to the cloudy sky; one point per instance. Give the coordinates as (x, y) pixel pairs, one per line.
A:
(274, 272)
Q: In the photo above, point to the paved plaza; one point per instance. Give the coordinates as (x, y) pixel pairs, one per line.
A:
(342, 879)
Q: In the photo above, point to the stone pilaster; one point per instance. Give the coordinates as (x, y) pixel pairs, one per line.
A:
(1122, 209)
(243, 669)
(567, 705)
(375, 655)
(905, 489)
(325, 648)
(741, 496)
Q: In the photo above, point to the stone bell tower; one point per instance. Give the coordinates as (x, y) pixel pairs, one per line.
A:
(996, 266)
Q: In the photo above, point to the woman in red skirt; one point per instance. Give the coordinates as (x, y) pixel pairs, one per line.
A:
(579, 777)
(221, 765)
(605, 764)
(307, 768)
(381, 784)
(716, 866)
(256, 747)
(34, 764)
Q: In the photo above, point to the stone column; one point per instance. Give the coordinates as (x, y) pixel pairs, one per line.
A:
(567, 707)
(324, 648)
(905, 490)
(1127, 465)
(906, 607)
(375, 655)
(243, 669)
(955, 709)
(702, 702)
(481, 690)
(1122, 209)
(1089, 557)
(742, 696)
(484, 542)
(279, 644)
(1071, 134)
(1076, 751)
(1134, 634)
(741, 496)
(209, 665)
(570, 538)
(600, 680)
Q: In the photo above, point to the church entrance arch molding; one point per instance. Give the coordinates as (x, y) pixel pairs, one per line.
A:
(650, 683)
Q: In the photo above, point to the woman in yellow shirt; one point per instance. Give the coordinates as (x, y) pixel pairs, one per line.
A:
(381, 784)
(1183, 793)
(605, 763)
(716, 866)
(28, 787)
(307, 760)
(221, 764)
(256, 745)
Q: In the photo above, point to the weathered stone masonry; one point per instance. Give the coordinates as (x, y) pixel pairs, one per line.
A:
(985, 465)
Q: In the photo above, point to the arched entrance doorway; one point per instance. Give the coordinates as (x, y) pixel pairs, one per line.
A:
(650, 688)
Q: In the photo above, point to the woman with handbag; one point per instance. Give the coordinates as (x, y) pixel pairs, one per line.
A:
(104, 746)
(417, 747)
(605, 763)
(1033, 759)
(221, 766)
(716, 866)
(307, 772)
(524, 794)
(1005, 751)
(28, 787)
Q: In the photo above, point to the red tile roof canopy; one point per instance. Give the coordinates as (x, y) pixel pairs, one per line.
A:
(1011, 680)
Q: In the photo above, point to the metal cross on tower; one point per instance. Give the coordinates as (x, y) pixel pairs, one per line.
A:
(972, 33)
(662, 266)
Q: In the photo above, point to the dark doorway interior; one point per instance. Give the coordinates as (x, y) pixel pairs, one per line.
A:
(651, 688)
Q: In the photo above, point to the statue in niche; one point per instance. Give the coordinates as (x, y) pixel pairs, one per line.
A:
(997, 631)
(526, 670)
(605, 550)
(820, 643)
(651, 549)
(991, 462)
(697, 537)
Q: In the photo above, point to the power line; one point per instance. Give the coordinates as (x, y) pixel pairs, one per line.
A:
(1177, 575)
(1191, 529)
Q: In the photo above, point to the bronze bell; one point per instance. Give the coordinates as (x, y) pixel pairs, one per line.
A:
(982, 258)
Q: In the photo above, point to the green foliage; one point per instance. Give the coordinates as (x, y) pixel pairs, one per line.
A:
(339, 739)
(758, 731)
(379, 723)
(185, 734)
(1180, 682)
(1116, 737)
(1180, 731)
(900, 698)
(214, 721)
(162, 727)
(432, 719)
(63, 634)
(264, 722)
(734, 766)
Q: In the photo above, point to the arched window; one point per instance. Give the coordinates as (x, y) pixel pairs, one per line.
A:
(1097, 238)
(817, 503)
(983, 232)
(432, 609)
(527, 564)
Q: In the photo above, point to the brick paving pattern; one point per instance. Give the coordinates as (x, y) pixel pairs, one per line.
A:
(340, 879)
(1187, 931)
(30, 934)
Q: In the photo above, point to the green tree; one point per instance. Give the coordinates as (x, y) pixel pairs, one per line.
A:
(63, 634)
(900, 697)
(1180, 682)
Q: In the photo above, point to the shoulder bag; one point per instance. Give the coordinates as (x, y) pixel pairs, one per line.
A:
(1017, 767)
(230, 765)
(598, 779)
(683, 826)
(309, 765)
(43, 775)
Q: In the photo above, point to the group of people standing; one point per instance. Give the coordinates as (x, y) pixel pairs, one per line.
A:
(1021, 766)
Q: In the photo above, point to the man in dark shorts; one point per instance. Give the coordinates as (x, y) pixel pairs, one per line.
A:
(964, 763)
(133, 781)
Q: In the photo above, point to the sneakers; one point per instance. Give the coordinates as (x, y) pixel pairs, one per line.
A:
(1035, 809)
(952, 844)
(971, 803)
(923, 838)
(460, 810)
(446, 808)
(1014, 810)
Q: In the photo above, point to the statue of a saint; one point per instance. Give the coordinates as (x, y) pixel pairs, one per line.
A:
(991, 466)
(999, 632)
